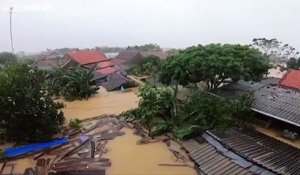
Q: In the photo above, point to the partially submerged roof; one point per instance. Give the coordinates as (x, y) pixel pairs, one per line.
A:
(81, 155)
(128, 57)
(128, 54)
(158, 53)
(117, 61)
(106, 71)
(51, 63)
(100, 65)
(261, 150)
(291, 80)
(114, 81)
(272, 101)
(87, 56)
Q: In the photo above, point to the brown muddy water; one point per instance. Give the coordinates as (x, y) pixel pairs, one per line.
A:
(104, 102)
(127, 157)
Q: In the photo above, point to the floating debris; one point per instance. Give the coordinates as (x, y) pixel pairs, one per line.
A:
(82, 154)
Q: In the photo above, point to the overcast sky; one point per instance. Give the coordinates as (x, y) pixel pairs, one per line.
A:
(41, 24)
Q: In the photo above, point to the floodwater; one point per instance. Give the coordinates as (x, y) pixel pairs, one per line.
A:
(114, 102)
(276, 73)
(127, 157)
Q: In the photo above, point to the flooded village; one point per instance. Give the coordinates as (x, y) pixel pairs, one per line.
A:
(131, 87)
(110, 143)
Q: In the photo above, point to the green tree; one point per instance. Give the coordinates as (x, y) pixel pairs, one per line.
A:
(27, 112)
(205, 112)
(145, 47)
(213, 64)
(160, 111)
(148, 66)
(72, 83)
(157, 108)
(7, 57)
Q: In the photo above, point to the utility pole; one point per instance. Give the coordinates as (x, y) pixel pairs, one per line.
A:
(10, 24)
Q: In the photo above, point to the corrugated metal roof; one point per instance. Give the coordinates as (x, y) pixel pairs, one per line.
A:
(263, 150)
(272, 101)
(114, 81)
(210, 160)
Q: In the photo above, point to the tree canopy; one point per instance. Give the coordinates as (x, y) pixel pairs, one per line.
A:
(275, 50)
(145, 47)
(27, 111)
(160, 111)
(213, 64)
(148, 66)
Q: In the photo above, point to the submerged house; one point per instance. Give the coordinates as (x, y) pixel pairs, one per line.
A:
(85, 58)
(104, 69)
(106, 73)
(126, 59)
(50, 63)
(291, 80)
(158, 53)
(270, 146)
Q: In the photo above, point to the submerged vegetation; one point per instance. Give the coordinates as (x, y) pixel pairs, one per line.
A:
(148, 66)
(157, 107)
(27, 111)
(72, 83)
(75, 124)
(160, 111)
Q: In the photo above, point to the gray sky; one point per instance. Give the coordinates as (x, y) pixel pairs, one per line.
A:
(41, 24)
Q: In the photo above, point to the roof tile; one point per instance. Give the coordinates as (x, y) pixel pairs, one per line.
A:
(291, 80)
(87, 56)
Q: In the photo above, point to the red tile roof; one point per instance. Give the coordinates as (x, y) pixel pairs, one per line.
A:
(118, 61)
(106, 71)
(104, 64)
(100, 65)
(291, 80)
(87, 56)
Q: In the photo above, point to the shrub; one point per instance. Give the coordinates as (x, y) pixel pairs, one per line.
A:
(75, 124)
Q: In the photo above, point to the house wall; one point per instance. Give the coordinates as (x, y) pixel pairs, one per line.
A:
(71, 64)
